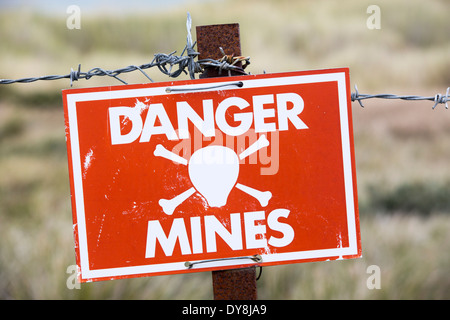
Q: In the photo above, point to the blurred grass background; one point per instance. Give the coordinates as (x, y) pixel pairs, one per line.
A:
(402, 148)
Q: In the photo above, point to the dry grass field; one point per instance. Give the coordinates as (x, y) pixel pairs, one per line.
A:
(402, 148)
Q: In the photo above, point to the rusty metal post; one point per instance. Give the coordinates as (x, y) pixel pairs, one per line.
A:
(235, 284)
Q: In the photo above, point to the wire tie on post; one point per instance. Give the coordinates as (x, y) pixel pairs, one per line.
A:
(256, 258)
(260, 273)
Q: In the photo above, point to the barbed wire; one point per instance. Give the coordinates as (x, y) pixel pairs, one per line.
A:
(438, 98)
(166, 63)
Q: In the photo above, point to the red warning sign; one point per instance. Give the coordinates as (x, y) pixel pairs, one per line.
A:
(212, 174)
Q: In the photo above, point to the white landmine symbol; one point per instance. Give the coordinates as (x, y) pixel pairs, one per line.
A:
(213, 171)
